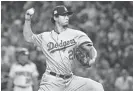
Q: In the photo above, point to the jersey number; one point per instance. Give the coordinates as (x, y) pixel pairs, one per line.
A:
(28, 80)
(72, 54)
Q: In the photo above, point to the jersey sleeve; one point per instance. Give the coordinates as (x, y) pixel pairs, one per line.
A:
(12, 71)
(35, 72)
(37, 39)
(83, 38)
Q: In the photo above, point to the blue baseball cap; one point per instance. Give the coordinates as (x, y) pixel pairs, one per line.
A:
(60, 10)
(23, 51)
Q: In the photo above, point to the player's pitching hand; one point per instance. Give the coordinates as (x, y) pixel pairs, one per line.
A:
(29, 14)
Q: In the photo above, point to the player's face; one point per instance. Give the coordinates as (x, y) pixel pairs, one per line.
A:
(63, 20)
(23, 59)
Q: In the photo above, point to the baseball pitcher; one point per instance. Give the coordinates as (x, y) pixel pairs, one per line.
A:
(60, 48)
(23, 74)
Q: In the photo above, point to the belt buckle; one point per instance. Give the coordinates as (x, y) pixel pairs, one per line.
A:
(69, 76)
(57, 75)
(64, 77)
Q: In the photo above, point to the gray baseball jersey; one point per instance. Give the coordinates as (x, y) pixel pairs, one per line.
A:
(22, 75)
(59, 48)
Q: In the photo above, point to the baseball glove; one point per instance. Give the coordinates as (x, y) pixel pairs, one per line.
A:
(82, 57)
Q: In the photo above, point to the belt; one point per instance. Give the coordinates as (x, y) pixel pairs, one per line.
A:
(60, 75)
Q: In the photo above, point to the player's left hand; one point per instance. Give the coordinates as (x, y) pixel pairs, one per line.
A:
(83, 58)
(91, 62)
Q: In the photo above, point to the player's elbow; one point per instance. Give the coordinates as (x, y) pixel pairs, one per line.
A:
(27, 36)
(28, 39)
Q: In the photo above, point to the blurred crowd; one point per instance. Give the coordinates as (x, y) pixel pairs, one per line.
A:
(109, 24)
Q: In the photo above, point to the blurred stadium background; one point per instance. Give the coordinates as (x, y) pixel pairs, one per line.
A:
(109, 24)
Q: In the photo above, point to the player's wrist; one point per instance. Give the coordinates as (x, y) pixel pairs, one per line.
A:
(27, 21)
(28, 17)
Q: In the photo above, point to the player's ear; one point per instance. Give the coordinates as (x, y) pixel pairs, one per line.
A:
(55, 18)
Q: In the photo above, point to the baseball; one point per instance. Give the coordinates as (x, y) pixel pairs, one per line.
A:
(30, 11)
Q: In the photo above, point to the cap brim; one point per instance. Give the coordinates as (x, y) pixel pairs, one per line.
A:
(69, 13)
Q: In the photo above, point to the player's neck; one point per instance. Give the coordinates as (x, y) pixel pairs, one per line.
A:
(58, 29)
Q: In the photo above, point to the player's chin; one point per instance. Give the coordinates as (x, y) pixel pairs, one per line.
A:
(65, 25)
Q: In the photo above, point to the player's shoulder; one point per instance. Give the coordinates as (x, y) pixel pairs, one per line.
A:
(73, 30)
(32, 64)
(76, 31)
(44, 33)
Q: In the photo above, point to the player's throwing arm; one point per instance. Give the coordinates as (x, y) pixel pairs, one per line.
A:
(27, 32)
